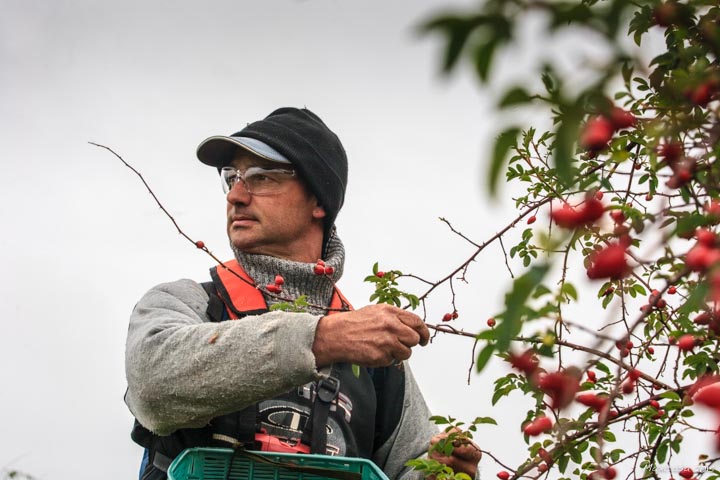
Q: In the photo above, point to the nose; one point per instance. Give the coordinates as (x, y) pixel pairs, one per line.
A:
(239, 194)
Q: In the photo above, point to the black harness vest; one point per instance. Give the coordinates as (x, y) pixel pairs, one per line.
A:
(341, 415)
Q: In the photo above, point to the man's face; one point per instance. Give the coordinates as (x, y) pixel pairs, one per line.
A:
(287, 224)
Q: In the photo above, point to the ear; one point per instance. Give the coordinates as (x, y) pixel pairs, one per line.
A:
(318, 212)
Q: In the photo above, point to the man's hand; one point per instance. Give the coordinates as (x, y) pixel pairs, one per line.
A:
(373, 336)
(465, 455)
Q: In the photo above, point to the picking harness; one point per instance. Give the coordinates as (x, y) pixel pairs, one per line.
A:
(365, 409)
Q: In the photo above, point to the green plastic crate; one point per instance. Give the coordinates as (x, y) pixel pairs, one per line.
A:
(227, 464)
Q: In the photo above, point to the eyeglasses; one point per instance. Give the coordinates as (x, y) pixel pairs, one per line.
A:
(257, 180)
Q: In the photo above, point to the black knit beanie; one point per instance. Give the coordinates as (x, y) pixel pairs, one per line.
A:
(313, 149)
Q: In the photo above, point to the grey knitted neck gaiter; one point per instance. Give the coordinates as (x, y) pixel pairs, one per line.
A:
(300, 279)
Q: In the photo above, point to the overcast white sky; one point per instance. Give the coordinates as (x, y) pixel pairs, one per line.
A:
(82, 240)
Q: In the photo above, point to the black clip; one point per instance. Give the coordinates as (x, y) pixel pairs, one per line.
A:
(328, 389)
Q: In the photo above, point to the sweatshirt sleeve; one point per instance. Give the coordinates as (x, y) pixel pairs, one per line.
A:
(411, 437)
(183, 370)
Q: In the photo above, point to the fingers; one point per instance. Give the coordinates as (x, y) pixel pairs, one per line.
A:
(416, 324)
(372, 336)
(464, 457)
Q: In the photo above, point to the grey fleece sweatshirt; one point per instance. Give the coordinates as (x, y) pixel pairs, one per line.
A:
(183, 370)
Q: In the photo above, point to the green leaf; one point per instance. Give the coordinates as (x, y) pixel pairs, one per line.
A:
(687, 224)
(503, 144)
(356, 370)
(439, 420)
(484, 420)
(484, 356)
(522, 288)
(563, 463)
(662, 452)
(696, 299)
(566, 134)
(515, 96)
(575, 455)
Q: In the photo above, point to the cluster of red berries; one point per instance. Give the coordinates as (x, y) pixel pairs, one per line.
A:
(450, 316)
(598, 130)
(630, 383)
(277, 286)
(321, 269)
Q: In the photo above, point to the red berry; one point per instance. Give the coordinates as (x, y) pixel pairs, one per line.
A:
(686, 472)
(713, 209)
(655, 404)
(545, 455)
(634, 374)
(538, 426)
(320, 262)
(272, 288)
(503, 475)
(665, 14)
(591, 376)
(531, 220)
(200, 244)
(591, 210)
(610, 473)
(526, 362)
(597, 133)
(543, 467)
(686, 342)
(651, 350)
(319, 269)
(617, 215)
(628, 387)
(706, 237)
(447, 317)
(621, 118)
(279, 280)
(329, 270)
(599, 195)
(455, 315)
(700, 257)
(672, 290)
(380, 274)
(708, 395)
(594, 401)
(629, 344)
(560, 386)
(491, 322)
(567, 216)
(704, 318)
(701, 95)
(609, 262)
(670, 151)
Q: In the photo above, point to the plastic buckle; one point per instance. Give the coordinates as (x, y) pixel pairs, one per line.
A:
(328, 389)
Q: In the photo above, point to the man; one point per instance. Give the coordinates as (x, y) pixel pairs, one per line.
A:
(277, 380)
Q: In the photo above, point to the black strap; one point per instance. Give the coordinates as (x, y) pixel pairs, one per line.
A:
(326, 391)
(216, 308)
(236, 429)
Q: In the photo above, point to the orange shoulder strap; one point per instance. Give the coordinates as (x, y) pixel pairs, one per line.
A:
(241, 297)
